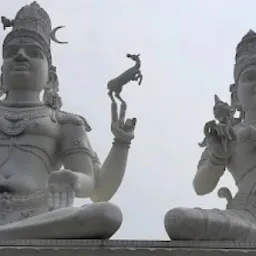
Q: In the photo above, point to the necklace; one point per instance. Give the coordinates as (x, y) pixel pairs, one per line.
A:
(13, 123)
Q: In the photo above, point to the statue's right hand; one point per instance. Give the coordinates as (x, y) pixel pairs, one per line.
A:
(221, 139)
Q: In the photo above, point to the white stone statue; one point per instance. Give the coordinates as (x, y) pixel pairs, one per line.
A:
(37, 138)
(230, 146)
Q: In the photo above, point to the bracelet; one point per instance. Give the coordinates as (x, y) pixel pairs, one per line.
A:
(122, 143)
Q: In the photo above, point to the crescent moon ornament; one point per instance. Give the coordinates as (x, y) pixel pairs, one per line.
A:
(53, 35)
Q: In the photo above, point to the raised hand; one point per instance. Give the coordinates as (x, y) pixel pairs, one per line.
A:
(61, 189)
(221, 138)
(122, 129)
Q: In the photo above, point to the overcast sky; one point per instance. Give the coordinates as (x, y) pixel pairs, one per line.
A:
(187, 50)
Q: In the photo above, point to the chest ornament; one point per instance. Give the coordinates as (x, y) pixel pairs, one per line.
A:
(14, 123)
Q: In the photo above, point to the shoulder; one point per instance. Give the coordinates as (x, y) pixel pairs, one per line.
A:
(63, 118)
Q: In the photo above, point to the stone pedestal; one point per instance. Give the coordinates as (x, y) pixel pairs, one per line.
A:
(123, 248)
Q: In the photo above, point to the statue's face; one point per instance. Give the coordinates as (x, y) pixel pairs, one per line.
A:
(25, 65)
(246, 90)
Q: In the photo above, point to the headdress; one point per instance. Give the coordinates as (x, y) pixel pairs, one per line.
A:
(245, 53)
(34, 22)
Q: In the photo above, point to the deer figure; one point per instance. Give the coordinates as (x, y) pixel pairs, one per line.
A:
(223, 113)
(132, 74)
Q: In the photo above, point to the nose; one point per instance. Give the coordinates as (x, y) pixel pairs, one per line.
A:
(21, 56)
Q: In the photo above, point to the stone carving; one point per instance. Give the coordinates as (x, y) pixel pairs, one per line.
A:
(37, 138)
(224, 114)
(77, 247)
(132, 74)
(230, 145)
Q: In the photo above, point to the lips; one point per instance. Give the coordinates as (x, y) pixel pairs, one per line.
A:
(21, 66)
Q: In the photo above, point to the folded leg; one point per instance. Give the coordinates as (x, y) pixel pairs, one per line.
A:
(214, 224)
(93, 221)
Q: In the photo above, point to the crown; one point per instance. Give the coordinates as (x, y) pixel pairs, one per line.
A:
(34, 22)
(245, 53)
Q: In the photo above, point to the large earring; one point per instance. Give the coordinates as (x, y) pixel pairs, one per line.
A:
(235, 104)
(50, 96)
(3, 90)
(234, 99)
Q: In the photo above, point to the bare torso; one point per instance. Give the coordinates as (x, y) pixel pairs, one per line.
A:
(243, 161)
(28, 148)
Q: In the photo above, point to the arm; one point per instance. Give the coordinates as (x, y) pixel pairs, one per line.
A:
(110, 175)
(77, 157)
(95, 181)
(209, 171)
(103, 181)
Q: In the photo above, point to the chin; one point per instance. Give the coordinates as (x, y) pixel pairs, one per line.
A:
(19, 78)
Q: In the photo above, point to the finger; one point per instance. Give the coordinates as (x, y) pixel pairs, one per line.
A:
(116, 128)
(218, 130)
(122, 112)
(119, 132)
(209, 127)
(56, 201)
(50, 201)
(233, 134)
(224, 145)
(228, 135)
(70, 198)
(134, 122)
(63, 200)
(114, 115)
(129, 124)
(222, 130)
(206, 130)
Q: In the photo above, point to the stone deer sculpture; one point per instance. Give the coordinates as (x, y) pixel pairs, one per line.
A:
(132, 74)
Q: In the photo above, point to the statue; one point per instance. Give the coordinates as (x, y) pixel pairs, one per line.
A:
(37, 138)
(230, 145)
(132, 74)
(224, 114)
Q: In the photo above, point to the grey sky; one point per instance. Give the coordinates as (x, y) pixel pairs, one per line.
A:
(187, 50)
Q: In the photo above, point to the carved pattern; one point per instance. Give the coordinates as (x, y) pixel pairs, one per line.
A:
(132, 244)
(69, 118)
(124, 247)
(21, 206)
(13, 123)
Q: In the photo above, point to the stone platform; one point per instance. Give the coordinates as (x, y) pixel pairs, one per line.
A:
(123, 248)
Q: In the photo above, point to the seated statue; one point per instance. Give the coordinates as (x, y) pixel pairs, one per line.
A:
(231, 145)
(37, 138)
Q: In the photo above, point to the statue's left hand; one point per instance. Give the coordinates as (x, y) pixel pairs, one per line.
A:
(122, 129)
(61, 189)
